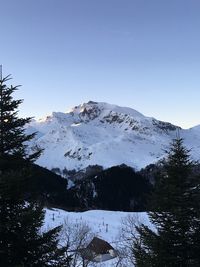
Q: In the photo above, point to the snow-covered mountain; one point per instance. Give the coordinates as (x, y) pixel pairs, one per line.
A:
(99, 133)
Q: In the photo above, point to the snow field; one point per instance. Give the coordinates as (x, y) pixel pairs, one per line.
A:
(105, 224)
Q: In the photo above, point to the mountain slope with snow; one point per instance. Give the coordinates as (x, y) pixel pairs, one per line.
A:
(107, 135)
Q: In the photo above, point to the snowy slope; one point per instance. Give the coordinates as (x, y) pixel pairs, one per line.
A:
(96, 219)
(105, 224)
(107, 135)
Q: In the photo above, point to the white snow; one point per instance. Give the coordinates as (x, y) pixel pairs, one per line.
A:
(105, 224)
(107, 135)
(98, 220)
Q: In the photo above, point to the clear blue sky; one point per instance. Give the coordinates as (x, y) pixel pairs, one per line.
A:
(144, 54)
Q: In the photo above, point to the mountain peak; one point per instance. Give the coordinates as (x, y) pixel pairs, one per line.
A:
(107, 135)
(93, 109)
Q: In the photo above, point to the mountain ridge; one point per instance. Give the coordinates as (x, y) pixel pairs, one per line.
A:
(98, 133)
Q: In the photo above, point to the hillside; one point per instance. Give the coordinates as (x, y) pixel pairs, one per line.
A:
(106, 135)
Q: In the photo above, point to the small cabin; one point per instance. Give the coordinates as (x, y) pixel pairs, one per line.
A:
(98, 250)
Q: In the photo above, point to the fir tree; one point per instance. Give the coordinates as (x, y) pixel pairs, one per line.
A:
(21, 241)
(12, 133)
(175, 216)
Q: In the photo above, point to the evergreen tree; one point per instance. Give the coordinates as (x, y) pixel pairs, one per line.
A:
(21, 241)
(12, 133)
(175, 216)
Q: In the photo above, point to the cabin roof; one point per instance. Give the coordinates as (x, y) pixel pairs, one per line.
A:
(98, 250)
(99, 246)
